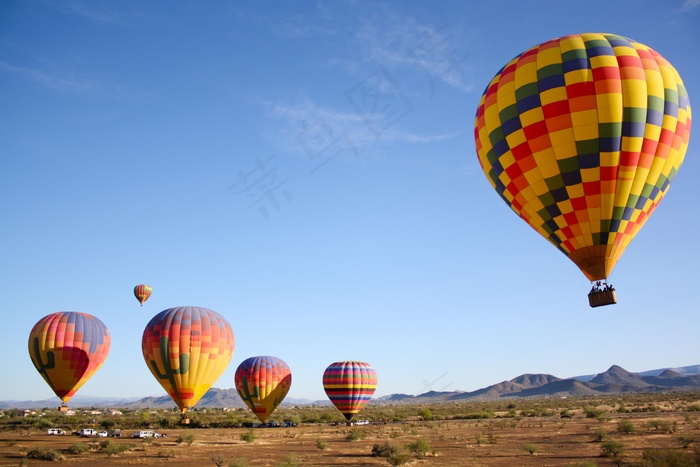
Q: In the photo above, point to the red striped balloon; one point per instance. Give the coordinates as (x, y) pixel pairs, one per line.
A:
(349, 385)
(142, 292)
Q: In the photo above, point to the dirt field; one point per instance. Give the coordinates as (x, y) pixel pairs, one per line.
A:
(490, 442)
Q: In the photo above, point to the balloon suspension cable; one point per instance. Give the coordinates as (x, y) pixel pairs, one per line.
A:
(601, 294)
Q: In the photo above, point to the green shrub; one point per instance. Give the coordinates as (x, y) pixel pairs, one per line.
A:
(186, 439)
(356, 435)
(398, 458)
(321, 444)
(112, 449)
(249, 436)
(239, 463)
(44, 454)
(625, 426)
(531, 448)
(600, 435)
(685, 440)
(290, 460)
(419, 447)
(592, 412)
(383, 450)
(425, 414)
(612, 448)
(78, 448)
(668, 457)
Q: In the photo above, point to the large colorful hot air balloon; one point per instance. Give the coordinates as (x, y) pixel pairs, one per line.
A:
(349, 385)
(581, 136)
(263, 383)
(142, 292)
(67, 348)
(187, 349)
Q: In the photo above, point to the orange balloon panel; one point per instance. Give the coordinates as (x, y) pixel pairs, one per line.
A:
(67, 348)
(187, 349)
(263, 383)
(581, 136)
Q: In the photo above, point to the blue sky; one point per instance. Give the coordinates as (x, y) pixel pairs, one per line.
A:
(308, 170)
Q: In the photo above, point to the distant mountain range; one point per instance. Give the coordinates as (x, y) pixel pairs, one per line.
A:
(616, 380)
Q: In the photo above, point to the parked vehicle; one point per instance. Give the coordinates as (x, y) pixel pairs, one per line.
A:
(88, 432)
(55, 431)
(102, 434)
(116, 432)
(289, 424)
(362, 422)
(146, 434)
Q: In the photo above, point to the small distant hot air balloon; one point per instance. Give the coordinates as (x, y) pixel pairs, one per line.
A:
(67, 348)
(142, 292)
(263, 382)
(349, 385)
(582, 136)
(187, 349)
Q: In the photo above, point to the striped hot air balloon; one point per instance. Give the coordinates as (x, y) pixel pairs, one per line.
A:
(187, 349)
(142, 292)
(349, 385)
(582, 136)
(67, 348)
(263, 382)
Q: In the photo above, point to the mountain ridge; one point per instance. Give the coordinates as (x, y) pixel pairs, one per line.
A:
(615, 380)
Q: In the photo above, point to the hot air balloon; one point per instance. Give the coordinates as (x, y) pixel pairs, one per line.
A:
(582, 136)
(142, 292)
(349, 385)
(187, 349)
(263, 383)
(67, 348)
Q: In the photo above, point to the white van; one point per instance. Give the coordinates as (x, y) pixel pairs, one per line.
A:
(55, 431)
(362, 422)
(146, 434)
(88, 432)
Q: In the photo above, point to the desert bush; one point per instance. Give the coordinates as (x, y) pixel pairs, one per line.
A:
(78, 448)
(169, 454)
(112, 449)
(398, 458)
(531, 448)
(248, 436)
(44, 454)
(694, 408)
(612, 448)
(582, 464)
(600, 435)
(186, 439)
(384, 450)
(592, 412)
(419, 447)
(668, 457)
(290, 460)
(321, 444)
(625, 426)
(685, 440)
(425, 414)
(239, 463)
(356, 435)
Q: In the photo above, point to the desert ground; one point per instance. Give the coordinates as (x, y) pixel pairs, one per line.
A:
(565, 436)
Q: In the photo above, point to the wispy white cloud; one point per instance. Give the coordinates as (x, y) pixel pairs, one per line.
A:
(108, 13)
(315, 127)
(65, 82)
(689, 5)
(53, 81)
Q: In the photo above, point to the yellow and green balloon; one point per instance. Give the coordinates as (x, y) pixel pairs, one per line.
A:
(187, 349)
(263, 382)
